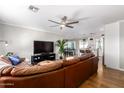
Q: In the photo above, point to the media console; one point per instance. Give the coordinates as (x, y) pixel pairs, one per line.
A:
(41, 57)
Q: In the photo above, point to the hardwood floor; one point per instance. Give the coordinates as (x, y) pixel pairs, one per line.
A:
(105, 78)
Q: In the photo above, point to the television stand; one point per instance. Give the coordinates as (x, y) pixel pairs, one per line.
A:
(41, 57)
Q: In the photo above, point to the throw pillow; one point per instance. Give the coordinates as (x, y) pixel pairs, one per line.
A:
(14, 60)
(5, 59)
(3, 64)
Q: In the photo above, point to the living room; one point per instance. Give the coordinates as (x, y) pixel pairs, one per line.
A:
(80, 45)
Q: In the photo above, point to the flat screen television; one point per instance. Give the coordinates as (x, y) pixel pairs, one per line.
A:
(43, 47)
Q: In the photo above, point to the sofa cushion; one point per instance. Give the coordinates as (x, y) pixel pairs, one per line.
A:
(39, 68)
(5, 71)
(46, 62)
(70, 60)
(84, 57)
(92, 55)
(23, 64)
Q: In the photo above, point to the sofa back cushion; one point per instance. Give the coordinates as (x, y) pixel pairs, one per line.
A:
(70, 61)
(48, 62)
(92, 55)
(5, 71)
(46, 67)
(23, 64)
(84, 57)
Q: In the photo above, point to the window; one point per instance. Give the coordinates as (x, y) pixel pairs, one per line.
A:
(71, 45)
(83, 44)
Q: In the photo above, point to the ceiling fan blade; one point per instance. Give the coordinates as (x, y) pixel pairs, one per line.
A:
(79, 19)
(69, 26)
(54, 26)
(72, 22)
(84, 18)
(54, 21)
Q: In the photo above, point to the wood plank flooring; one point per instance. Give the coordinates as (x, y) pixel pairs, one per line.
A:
(105, 78)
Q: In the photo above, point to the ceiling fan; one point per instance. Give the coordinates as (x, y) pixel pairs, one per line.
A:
(65, 22)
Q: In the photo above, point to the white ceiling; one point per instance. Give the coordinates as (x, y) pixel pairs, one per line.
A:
(98, 17)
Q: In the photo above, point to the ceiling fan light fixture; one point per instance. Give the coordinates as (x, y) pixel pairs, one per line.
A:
(91, 39)
(84, 39)
(64, 22)
(102, 35)
(62, 25)
(33, 8)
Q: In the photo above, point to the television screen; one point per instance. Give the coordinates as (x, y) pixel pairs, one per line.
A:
(43, 47)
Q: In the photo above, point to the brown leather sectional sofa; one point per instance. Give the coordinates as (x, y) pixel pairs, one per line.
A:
(70, 74)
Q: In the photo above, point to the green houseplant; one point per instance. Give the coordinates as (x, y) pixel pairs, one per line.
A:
(61, 44)
(9, 54)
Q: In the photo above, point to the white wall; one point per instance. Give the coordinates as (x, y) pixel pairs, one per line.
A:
(2, 44)
(0, 36)
(20, 40)
(112, 45)
(121, 45)
(1, 32)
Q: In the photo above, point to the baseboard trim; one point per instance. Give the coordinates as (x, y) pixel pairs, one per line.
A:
(120, 69)
(116, 68)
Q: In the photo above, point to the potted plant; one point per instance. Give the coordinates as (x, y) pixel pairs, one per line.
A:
(9, 54)
(61, 44)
